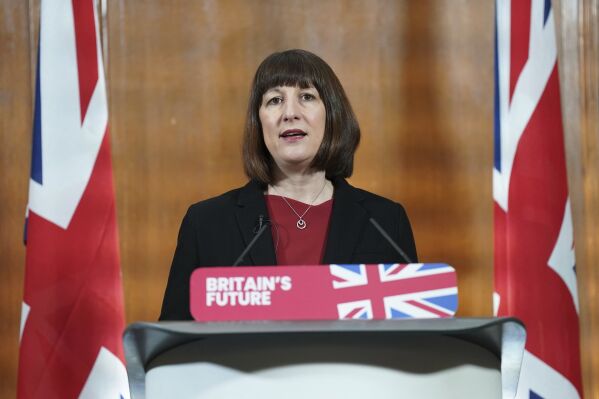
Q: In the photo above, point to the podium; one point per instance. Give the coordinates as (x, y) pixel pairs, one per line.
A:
(423, 358)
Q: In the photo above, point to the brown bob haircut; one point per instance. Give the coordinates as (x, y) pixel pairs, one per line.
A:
(342, 133)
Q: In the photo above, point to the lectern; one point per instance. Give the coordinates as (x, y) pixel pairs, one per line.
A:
(415, 358)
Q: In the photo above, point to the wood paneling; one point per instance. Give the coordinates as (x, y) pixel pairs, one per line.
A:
(589, 275)
(578, 27)
(418, 73)
(15, 138)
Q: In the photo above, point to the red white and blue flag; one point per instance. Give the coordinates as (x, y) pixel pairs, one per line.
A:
(72, 314)
(535, 268)
(395, 291)
(357, 291)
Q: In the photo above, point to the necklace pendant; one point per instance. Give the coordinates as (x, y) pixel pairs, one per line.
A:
(301, 224)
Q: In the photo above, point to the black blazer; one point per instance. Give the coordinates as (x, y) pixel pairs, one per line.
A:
(215, 232)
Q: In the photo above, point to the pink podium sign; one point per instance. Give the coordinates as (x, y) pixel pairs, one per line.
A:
(324, 292)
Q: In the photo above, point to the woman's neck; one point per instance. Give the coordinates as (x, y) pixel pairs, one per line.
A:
(310, 188)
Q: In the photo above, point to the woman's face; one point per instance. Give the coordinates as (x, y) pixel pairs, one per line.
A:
(293, 121)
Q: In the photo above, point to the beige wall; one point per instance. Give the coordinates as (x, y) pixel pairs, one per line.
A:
(419, 75)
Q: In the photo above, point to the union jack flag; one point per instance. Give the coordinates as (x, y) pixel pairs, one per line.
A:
(535, 274)
(72, 313)
(394, 291)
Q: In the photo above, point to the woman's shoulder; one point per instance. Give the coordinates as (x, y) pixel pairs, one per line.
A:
(225, 199)
(224, 202)
(376, 198)
(380, 206)
(215, 206)
(370, 199)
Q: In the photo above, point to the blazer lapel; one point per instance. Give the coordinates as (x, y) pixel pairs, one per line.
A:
(250, 205)
(348, 220)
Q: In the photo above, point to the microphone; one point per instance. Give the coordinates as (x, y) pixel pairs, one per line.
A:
(260, 222)
(390, 240)
(261, 225)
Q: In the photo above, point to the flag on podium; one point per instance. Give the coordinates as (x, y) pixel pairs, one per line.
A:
(72, 312)
(535, 268)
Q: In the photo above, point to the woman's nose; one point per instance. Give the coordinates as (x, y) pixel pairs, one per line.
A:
(290, 110)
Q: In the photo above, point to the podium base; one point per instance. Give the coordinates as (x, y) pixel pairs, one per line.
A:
(424, 358)
(323, 365)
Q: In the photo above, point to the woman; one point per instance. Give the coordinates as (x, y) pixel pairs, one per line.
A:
(299, 143)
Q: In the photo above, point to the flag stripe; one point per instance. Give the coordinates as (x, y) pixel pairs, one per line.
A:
(520, 28)
(427, 308)
(36, 148)
(87, 55)
(497, 114)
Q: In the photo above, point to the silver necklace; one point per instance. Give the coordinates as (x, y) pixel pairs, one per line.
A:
(301, 223)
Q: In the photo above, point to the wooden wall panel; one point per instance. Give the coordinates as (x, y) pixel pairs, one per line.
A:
(578, 45)
(15, 136)
(418, 73)
(589, 149)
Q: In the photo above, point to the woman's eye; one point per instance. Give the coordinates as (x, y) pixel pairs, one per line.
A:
(308, 96)
(274, 101)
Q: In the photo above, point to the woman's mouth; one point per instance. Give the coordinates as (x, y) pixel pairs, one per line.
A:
(292, 135)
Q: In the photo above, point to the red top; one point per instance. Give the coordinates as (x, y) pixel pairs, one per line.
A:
(294, 246)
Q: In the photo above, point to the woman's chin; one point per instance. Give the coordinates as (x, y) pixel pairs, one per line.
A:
(295, 163)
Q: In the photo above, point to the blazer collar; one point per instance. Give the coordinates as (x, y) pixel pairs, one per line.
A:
(348, 219)
(250, 205)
